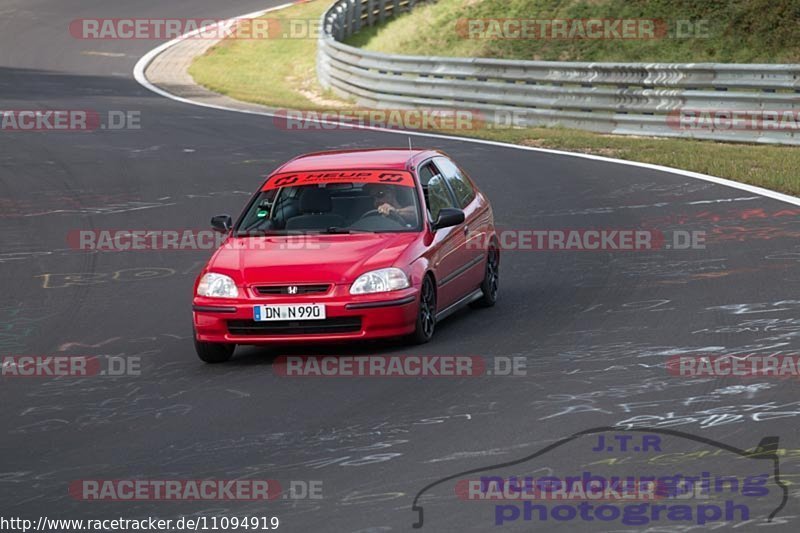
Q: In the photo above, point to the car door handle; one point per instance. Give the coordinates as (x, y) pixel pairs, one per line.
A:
(466, 229)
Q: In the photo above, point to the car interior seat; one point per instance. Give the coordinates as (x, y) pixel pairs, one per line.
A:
(315, 209)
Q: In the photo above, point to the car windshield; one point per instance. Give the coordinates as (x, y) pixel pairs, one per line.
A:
(340, 207)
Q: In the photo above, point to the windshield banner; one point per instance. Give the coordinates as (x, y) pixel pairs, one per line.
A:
(294, 179)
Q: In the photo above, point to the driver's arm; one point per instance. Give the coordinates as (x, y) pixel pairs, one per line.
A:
(408, 213)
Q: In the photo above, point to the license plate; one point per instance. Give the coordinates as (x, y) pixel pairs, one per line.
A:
(265, 313)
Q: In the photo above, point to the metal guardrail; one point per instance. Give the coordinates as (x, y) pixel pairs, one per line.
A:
(621, 98)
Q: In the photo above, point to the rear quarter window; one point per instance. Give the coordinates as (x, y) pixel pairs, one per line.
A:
(462, 188)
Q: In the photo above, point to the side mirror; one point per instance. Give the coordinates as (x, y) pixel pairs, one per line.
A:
(222, 223)
(448, 217)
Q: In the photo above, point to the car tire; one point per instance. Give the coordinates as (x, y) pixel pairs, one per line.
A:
(212, 352)
(426, 313)
(490, 284)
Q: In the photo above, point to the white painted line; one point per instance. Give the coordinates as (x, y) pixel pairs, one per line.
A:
(141, 66)
(101, 54)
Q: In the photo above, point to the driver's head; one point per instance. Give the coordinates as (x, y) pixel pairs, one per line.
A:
(381, 194)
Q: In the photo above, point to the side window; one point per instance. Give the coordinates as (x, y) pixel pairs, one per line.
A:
(461, 187)
(436, 194)
(425, 174)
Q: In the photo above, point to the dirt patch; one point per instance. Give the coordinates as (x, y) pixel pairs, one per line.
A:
(309, 89)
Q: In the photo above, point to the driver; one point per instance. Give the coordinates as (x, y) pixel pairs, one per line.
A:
(387, 203)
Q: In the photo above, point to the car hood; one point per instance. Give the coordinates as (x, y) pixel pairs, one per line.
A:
(308, 258)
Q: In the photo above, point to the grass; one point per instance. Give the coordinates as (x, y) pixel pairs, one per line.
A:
(275, 72)
(281, 73)
(730, 31)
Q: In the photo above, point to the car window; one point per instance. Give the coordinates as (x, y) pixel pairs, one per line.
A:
(460, 185)
(426, 173)
(437, 196)
(334, 207)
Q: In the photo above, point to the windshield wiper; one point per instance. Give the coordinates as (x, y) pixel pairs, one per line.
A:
(335, 230)
(258, 233)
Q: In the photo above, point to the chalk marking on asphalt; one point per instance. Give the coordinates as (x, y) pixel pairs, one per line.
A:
(145, 60)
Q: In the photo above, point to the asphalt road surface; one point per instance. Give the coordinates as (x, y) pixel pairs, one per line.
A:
(594, 328)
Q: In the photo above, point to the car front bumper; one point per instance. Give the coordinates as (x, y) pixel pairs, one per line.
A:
(348, 317)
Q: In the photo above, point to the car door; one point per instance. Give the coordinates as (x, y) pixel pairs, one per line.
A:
(475, 228)
(447, 248)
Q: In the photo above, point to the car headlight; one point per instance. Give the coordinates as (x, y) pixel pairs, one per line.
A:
(383, 280)
(217, 286)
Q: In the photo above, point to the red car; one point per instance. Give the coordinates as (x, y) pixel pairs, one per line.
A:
(348, 245)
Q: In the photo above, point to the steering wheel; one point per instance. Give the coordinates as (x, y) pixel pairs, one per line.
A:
(375, 213)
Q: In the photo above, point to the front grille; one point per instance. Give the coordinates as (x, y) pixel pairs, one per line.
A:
(345, 324)
(291, 290)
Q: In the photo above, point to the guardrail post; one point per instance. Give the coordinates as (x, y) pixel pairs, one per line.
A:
(341, 19)
(357, 16)
(348, 18)
(381, 10)
(370, 12)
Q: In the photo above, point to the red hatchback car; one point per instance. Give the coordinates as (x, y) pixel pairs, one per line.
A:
(348, 245)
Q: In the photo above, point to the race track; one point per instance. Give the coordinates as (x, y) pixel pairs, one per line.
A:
(595, 327)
